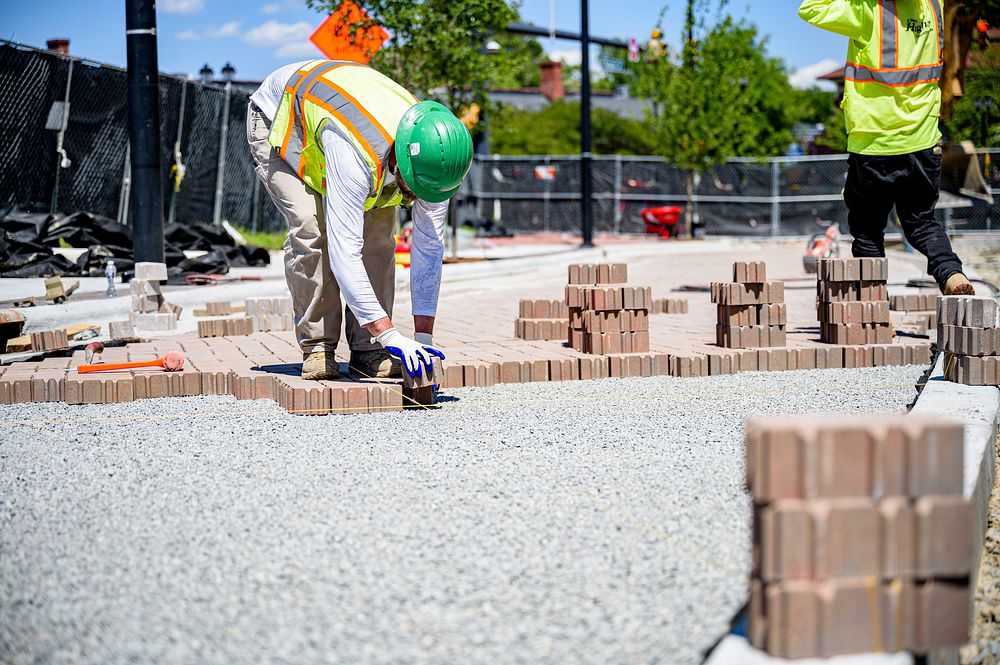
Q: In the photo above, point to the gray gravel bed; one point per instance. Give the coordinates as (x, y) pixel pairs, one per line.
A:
(584, 522)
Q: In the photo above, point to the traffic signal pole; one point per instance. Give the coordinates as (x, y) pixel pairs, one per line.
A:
(144, 130)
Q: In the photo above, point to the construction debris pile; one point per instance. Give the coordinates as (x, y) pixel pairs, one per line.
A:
(862, 539)
(606, 316)
(969, 335)
(27, 241)
(751, 310)
(853, 301)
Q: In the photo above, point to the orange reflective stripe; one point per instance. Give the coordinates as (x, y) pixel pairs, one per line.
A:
(291, 111)
(350, 127)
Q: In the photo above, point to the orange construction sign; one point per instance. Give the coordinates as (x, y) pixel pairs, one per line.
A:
(339, 38)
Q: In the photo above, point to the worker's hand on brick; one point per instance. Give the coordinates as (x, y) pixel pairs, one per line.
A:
(415, 356)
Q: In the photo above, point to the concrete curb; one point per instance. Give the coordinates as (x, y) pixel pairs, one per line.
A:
(978, 407)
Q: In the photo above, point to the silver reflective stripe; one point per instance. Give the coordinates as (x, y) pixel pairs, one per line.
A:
(296, 141)
(352, 114)
(928, 74)
(890, 25)
(936, 6)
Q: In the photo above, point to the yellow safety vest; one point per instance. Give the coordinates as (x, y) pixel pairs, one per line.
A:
(892, 100)
(361, 104)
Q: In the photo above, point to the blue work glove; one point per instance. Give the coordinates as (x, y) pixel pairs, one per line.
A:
(415, 356)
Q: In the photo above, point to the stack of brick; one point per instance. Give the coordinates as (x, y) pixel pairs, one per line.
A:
(863, 541)
(969, 335)
(149, 309)
(853, 301)
(242, 325)
(751, 310)
(606, 316)
(542, 320)
(669, 306)
(919, 312)
(270, 314)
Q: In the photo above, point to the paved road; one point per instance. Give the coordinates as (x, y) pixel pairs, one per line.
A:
(579, 522)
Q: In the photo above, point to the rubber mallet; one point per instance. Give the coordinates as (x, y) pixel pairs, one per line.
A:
(171, 362)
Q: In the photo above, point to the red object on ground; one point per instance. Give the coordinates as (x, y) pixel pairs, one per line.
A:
(661, 220)
(170, 362)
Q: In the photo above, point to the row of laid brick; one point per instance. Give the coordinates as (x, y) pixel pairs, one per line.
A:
(966, 341)
(972, 370)
(597, 273)
(806, 619)
(775, 314)
(669, 306)
(914, 302)
(854, 312)
(801, 458)
(968, 311)
(853, 270)
(610, 342)
(749, 337)
(855, 333)
(894, 537)
(244, 325)
(852, 292)
(543, 309)
(542, 329)
(732, 293)
(603, 298)
(624, 320)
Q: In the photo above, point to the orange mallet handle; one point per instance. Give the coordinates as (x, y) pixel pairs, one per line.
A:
(172, 362)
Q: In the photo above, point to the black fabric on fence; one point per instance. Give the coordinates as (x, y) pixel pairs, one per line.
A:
(27, 240)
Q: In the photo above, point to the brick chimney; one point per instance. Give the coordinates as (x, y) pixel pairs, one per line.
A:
(552, 85)
(59, 45)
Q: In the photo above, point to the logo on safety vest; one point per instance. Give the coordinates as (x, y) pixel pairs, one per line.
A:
(917, 26)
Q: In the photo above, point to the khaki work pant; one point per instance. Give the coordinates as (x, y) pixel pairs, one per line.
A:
(315, 292)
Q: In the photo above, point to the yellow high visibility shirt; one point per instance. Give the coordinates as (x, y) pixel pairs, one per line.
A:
(892, 98)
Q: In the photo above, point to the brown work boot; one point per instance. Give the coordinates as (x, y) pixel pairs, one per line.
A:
(375, 364)
(320, 366)
(958, 285)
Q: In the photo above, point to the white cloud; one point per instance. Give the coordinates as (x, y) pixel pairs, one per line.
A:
(275, 33)
(805, 77)
(180, 6)
(569, 57)
(282, 6)
(299, 49)
(230, 29)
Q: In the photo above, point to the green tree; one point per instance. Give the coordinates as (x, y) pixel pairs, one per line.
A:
(970, 115)
(813, 105)
(726, 96)
(555, 130)
(834, 136)
(960, 18)
(521, 56)
(436, 46)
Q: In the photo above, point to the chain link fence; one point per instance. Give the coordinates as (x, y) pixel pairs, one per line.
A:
(64, 143)
(64, 147)
(774, 197)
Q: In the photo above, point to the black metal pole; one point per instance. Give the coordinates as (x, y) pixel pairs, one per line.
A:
(586, 220)
(144, 130)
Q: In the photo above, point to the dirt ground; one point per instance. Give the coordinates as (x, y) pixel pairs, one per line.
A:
(984, 648)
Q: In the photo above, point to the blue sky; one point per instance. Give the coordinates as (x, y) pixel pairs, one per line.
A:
(260, 35)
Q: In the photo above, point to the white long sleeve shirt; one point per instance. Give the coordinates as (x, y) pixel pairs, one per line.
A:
(348, 184)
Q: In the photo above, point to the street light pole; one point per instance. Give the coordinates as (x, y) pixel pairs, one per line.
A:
(586, 220)
(144, 130)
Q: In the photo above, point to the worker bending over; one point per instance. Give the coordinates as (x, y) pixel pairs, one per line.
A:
(338, 145)
(892, 102)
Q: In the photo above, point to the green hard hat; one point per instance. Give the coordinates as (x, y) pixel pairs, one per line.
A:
(433, 150)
